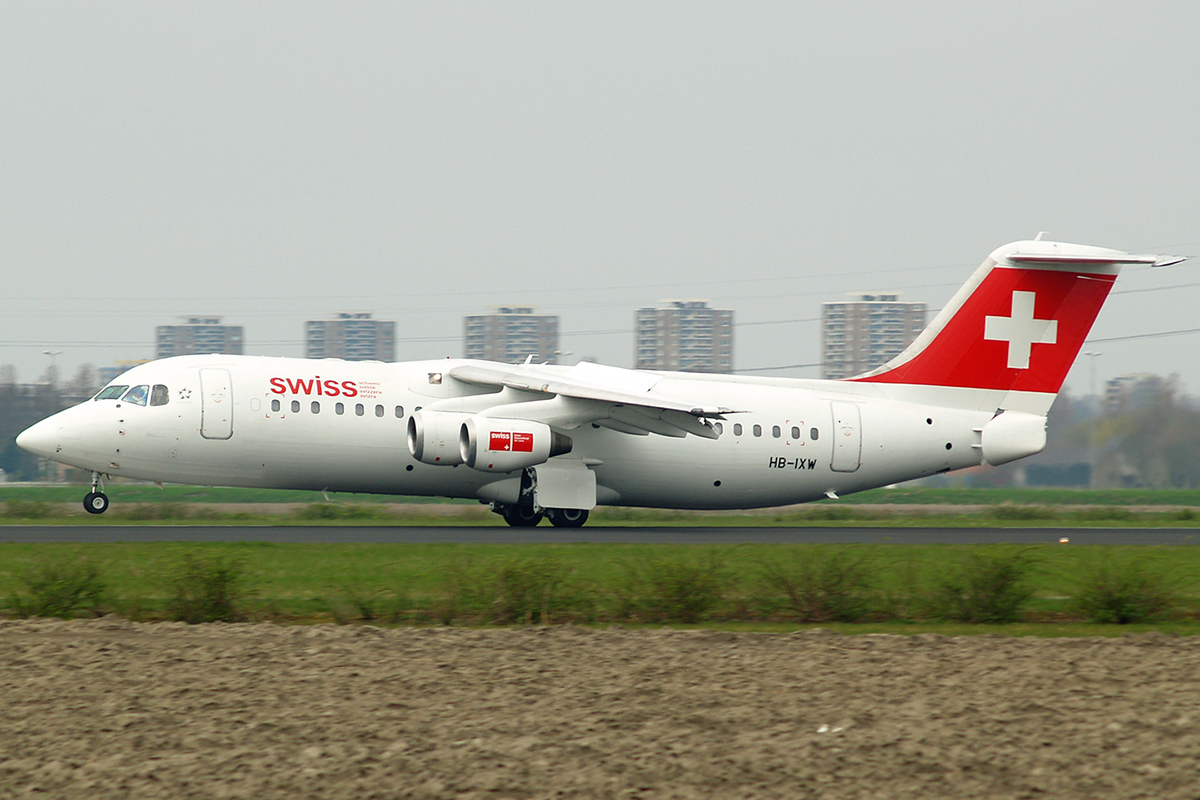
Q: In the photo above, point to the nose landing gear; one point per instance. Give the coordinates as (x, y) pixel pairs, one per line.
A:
(96, 501)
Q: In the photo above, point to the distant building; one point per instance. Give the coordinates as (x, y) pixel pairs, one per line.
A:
(106, 375)
(350, 336)
(864, 333)
(510, 335)
(197, 335)
(684, 336)
(1132, 392)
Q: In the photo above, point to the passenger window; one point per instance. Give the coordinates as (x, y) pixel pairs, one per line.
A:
(795, 432)
(379, 411)
(358, 409)
(814, 434)
(737, 429)
(316, 407)
(339, 409)
(159, 395)
(137, 395)
(274, 405)
(399, 412)
(775, 431)
(295, 406)
(112, 392)
(758, 430)
(720, 428)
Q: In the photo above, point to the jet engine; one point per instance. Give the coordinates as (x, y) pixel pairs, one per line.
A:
(493, 444)
(433, 437)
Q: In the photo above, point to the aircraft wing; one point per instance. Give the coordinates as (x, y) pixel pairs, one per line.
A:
(616, 398)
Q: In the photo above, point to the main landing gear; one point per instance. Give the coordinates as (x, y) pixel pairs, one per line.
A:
(525, 513)
(567, 517)
(527, 516)
(96, 501)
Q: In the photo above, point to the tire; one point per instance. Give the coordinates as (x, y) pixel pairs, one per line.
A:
(522, 516)
(95, 503)
(567, 517)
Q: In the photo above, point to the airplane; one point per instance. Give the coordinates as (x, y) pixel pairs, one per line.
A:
(548, 441)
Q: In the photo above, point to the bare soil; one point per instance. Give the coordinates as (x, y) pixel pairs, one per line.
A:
(108, 708)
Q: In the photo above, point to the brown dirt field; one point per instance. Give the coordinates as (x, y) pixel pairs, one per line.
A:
(110, 708)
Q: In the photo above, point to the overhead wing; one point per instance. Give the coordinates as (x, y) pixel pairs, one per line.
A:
(616, 398)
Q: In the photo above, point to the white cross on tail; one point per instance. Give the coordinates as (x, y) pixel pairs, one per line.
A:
(1020, 330)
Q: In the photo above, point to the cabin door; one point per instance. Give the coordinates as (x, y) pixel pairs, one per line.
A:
(216, 403)
(847, 437)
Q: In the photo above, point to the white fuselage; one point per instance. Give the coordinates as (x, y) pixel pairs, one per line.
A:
(341, 426)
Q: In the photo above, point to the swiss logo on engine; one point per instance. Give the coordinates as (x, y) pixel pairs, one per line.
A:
(511, 442)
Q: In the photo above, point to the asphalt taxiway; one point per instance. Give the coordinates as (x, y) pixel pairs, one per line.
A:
(546, 534)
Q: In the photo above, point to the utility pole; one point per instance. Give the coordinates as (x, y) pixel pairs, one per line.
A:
(1092, 356)
(52, 374)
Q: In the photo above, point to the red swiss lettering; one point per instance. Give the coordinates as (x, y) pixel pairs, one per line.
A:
(522, 442)
(500, 440)
(324, 388)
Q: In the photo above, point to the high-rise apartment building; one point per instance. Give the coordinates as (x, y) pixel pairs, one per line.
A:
(197, 335)
(864, 333)
(350, 336)
(685, 336)
(1126, 393)
(510, 335)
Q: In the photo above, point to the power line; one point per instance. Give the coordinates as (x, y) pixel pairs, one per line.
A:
(1159, 335)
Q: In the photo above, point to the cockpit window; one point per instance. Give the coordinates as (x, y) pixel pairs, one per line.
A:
(137, 395)
(111, 392)
(159, 396)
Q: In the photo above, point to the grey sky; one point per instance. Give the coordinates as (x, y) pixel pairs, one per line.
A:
(273, 163)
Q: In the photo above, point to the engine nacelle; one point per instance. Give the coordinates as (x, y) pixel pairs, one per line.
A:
(433, 437)
(492, 444)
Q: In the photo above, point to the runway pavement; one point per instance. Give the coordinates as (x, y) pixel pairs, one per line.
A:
(548, 534)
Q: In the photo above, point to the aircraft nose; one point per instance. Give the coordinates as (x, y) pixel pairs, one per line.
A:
(40, 438)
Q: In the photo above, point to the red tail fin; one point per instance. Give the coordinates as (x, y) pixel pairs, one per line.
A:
(1018, 323)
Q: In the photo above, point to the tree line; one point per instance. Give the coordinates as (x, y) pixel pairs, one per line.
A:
(23, 404)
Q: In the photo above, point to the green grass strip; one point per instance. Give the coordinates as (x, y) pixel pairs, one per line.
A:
(886, 588)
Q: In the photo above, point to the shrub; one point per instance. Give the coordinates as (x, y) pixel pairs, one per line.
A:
(1105, 514)
(27, 509)
(505, 591)
(678, 589)
(356, 603)
(60, 589)
(829, 513)
(1010, 512)
(168, 509)
(1123, 592)
(207, 590)
(824, 586)
(524, 589)
(983, 589)
(338, 511)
